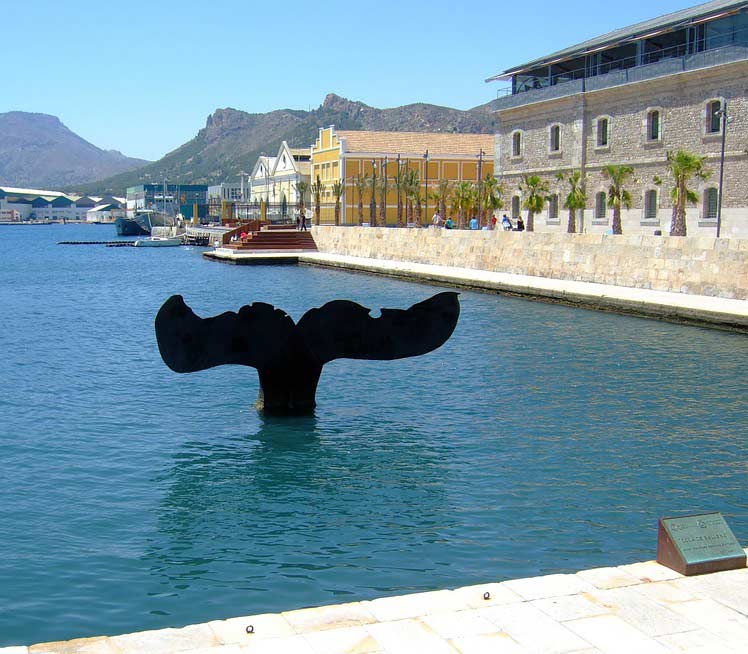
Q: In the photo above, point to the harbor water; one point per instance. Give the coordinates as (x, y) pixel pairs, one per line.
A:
(541, 438)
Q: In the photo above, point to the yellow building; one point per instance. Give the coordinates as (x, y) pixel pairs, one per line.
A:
(343, 155)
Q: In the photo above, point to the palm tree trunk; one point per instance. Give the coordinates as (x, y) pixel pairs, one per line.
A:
(383, 203)
(337, 212)
(530, 227)
(678, 226)
(617, 220)
(571, 227)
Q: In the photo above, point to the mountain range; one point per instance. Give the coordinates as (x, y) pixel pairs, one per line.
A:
(38, 150)
(232, 139)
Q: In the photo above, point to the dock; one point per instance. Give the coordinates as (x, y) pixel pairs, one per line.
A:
(639, 608)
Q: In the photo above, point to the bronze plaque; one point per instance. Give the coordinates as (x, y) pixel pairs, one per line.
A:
(696, 544)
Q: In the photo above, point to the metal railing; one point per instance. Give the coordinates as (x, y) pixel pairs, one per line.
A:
(617, 77)
(705, 52)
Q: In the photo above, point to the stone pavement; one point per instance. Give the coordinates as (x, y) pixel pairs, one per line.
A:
(679, 307)
(639, 608)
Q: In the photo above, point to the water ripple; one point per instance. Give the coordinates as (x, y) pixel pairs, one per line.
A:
(539, 439)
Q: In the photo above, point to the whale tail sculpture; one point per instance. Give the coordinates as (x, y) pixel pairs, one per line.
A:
(289, 357)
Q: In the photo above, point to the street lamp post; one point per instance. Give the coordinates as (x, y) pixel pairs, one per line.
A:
(241, 193)
(373, 203)
(383, 196)
(399, 184)
(426, 171)
(725, 120)
(480, 187)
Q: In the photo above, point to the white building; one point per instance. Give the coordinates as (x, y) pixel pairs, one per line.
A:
(275, 180)
(40, 205)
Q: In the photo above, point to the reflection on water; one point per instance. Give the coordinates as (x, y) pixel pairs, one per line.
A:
(539, 439)
(297, 512)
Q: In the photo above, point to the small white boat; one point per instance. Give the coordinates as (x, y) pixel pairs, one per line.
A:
(158, 242)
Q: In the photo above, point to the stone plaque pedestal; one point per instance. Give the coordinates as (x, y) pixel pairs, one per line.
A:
(697, 544)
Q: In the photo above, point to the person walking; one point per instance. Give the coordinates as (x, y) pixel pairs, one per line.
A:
(303, 221)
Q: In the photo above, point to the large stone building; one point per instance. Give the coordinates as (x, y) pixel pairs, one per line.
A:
(339, 155)
(629, 97)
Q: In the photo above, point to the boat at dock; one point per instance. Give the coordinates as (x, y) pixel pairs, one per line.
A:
(143, 222)
(158, 242)
(131, 227)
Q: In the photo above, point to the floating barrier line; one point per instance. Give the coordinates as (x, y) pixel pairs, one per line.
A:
(110, 244)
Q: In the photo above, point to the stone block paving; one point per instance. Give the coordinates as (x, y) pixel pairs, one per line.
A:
(639, 608)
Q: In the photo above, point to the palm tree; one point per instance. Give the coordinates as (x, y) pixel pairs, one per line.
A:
(683, 166)
(493, 194)
(463, 200)
(576, 199)
(360, 182)
(399, 183)
(317, 193)
(373, 201)
(441, 196)
(618, 196)
(412, 190)
(337, 190)
(383, 188)
(302, 188)
(536, 195)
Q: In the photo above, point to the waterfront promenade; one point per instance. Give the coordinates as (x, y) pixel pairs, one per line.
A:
(639, 608)
(679, 307)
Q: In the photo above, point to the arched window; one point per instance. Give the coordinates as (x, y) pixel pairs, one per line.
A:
(711, 198)
(517, 144)
(602, 131)
(654, 125)
(515, 206)
(714, 117)
(650, 205)
(553, 207)
(555, 138)
(601, 200)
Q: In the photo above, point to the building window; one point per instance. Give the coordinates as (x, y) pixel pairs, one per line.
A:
(517, 144)
(654, 125)
(650, 205)
(515, 207)
(555, 140)
(553, 207)
(602, 132)
(714, 117)
(600, 205)
(711, 197)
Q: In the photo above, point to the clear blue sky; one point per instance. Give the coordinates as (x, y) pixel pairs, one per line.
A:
(142, 77)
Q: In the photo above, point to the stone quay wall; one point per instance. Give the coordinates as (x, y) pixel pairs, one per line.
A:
(682, 264)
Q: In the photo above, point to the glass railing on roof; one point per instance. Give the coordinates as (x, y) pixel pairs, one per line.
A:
(596, 67)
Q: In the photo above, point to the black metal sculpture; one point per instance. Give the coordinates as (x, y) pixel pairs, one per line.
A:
(289, 357)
